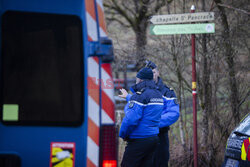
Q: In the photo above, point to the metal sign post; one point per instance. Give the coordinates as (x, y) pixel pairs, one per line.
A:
(195, 146)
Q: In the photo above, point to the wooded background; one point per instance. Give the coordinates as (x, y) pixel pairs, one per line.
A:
(222, 61)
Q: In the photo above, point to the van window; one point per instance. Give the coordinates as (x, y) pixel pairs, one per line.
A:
(41, 69)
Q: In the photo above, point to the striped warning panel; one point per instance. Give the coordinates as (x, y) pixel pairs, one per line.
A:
(91, 20)
(245, 150)
(93, 90)
(101, 19)
(108, 111)
(107, 92)
(93, 113)
(108, 107)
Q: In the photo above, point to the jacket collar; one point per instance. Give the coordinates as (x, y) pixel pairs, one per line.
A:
(160, 83)
(142, 85)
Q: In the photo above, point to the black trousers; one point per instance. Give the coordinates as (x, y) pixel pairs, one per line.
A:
(139, 152)
(161, 155)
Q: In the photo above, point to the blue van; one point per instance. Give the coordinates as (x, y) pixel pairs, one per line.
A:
(54, 111)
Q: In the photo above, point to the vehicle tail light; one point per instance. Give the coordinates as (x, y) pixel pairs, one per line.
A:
(109, 145)
(109, 163)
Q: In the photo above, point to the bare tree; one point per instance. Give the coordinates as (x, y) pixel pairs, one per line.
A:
(135, 14)
(205, 92)
(229, 54)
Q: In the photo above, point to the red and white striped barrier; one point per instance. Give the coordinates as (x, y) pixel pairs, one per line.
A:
(108, 114)
(93, 113)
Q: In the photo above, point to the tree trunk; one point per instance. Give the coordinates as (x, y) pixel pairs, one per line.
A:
(234, 94)
(206, 94)
(178, 72)
(141, 42)
(206, 86)
(181, 117)
(125, 77)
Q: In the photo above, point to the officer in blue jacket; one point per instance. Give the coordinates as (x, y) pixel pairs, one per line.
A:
(140, 125)
(169, 116)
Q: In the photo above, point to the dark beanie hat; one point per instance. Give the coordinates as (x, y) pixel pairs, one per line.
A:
(151, 65)
(145, 73)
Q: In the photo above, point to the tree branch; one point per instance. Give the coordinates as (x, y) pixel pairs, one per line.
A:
(119, 21)
(237, 9)
(244, 98)
(122, 12)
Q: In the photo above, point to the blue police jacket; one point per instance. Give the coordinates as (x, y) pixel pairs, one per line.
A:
(142, 112)
(170, 112)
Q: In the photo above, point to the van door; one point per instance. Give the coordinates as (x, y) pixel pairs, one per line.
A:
(42, 91)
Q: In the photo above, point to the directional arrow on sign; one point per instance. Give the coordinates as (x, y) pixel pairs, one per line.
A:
(182, 29)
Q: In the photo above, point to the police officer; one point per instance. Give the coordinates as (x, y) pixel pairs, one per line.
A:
(169, 116)
(140, 126)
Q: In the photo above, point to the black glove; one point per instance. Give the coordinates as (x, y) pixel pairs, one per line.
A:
(164, 130)
(126, 139)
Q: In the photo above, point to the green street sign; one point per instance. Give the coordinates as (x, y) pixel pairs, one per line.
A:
(182, 29)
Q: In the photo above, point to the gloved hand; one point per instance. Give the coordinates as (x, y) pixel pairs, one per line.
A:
(126, 139)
